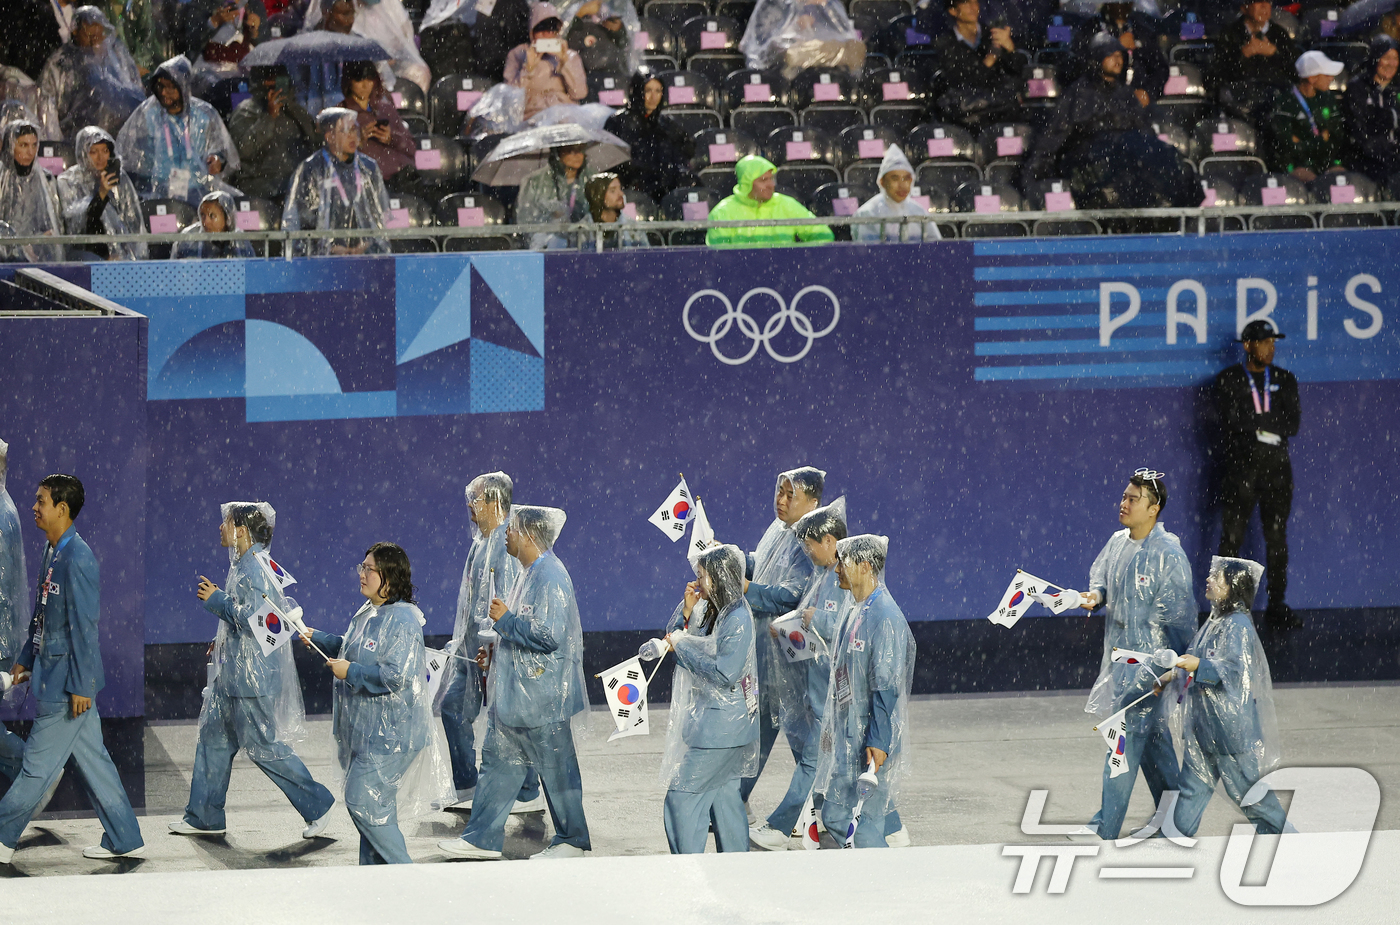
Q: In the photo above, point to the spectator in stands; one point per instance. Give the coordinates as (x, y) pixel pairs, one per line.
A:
(1306, 128)
(1101, 134)
(1253, 59)
(220, 30)
(793, 35)
(140, 30)
(97, 197)
(555, 193)
(272, 132)
(35, 29)
(1373, 113)
(1145, 68)
(21, 95)
(980, 70)
(896, 179)
(445, 37)
(337, 187)
(661, 149)
(92, 80)
(28, 194)
(755, 199)
(605, 204)
(604, 34)
(215, 216)
(545, 67)
(175, 145)
(384, 21)
(384, 135)
(507, 26)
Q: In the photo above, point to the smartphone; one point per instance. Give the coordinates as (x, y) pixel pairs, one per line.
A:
(382, 123)
(549, 46)
(1000, 22)
(114, 166)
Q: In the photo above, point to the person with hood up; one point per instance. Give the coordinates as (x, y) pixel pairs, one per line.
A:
(604, 32)
(97, 197)
(337, 187)
(253, 701)
(175, 145)
(91, 80)
(1222, 696)
(381, 719)
(536, 688)
(755, 198)
(712, 739)
(272, 132)
(555, 193)
(1372, 111)
(545, 67)
(896, 179)
(28, 192)
(866, 722)
(384, 21)
(215, 217)
(605, 204)
(383, 133)
(660, 148)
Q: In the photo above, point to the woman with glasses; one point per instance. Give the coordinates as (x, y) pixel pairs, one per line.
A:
(380, 711)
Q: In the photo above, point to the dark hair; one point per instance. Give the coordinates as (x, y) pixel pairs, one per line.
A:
(816, 525)
(1239, 581)
(552, 24)
(595, 190)
(248, 515)
(65, 489)
(717, 562)
(395, 572)
(360, 70)
(1157, 485)
(810, 480)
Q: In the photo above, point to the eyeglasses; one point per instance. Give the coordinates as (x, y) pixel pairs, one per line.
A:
(361, 569)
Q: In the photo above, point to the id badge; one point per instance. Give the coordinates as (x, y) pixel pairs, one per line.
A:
(750, 687)
(843, 686)
(179, 184)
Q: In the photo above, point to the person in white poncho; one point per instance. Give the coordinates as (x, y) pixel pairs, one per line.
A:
(896, 179)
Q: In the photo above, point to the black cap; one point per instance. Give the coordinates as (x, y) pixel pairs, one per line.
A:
(1103, 45)
(1260, 329)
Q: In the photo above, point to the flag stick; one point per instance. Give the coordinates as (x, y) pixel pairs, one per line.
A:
(1021, 571)
(1166, 676)
(655, 670)
(306, 636)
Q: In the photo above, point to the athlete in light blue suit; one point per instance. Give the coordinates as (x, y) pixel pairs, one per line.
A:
(776, 574)
(536, 688)
(1142, 580)
(490, 572)
(866, 721)
(712, 740)
(253, 701)
(14, 613)
(64, 654)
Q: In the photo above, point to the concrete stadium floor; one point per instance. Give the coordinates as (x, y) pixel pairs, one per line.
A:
(976, 758)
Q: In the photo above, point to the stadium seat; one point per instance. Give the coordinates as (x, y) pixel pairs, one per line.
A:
(409, 99)
(184, 213)
(673, 13)
(450, 99)
(751, 87)
(1004, 142)
(688, 204)
(762, 121)
(409, 211)
(800, 146)
(1275, 189)
(705, 34)
(691, 100)
(986, 198)
(610, 89)
(1184, 97)
(472, 210)
(860, 149)
(657, 43)
(721, 147)
(440, 165)
(838, 200)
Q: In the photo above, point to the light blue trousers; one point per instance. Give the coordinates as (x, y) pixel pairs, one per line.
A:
(507, 757)
(714, 801)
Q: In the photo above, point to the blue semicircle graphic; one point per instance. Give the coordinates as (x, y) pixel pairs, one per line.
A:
(282, 362)
(208, 365)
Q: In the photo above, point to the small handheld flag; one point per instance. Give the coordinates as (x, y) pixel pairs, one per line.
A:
(1024, 590)
(811, 838)
(274, 570)
(625, 686)
(271, 627)
(672, 517)
(795, 641)
(702, 537)
(437, 667)
(1115, 735)
(1130, 657)
(865, 785)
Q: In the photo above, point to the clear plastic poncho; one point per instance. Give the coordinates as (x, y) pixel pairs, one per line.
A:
(793, 35)
(882, 205)
(327, 192)
(210, 250)
(167, 155)
(490, 571)
(90, 86)
(609, 9)
(29, 202)
(1227, 708)
(536, 674)
(245, 685)
(17, 87)
(15, 603)
(872, 674)
(802, 686)
(389, 638)
(714, 698)
(1149, 604)
(76, 186)
(386, 22)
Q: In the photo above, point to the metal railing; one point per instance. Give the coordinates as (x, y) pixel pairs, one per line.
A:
(1199, 221)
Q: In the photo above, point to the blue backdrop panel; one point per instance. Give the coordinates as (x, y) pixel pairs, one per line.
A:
(982, 404)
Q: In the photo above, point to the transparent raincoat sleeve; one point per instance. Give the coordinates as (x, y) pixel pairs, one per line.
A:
(609, 9)
(797, 34)
(14, 580)
(91, 86)
(540, 655)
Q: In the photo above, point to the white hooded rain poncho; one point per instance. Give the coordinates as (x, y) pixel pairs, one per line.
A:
(386, 22)
(793, 35)
(77, 187)
(882, 205)
(327, 192)
(28, 197)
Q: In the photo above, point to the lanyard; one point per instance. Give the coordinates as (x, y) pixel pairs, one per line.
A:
(1254, 391)
(1307, 110)
(861, 616)
(36, 626)
(335, 178)
(170, 143)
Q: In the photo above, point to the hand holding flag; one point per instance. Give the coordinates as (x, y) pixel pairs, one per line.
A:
(1115, 730)
(673, 515)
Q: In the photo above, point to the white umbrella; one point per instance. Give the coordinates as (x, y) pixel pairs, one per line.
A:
(526, 152)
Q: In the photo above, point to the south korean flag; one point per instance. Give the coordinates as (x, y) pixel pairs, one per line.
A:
(797, 642)
(1024, 590)
(672, 517)
(1115, 735)
(702, 536)
(437, 667)
(625, 686)
(280, 576)
(271, 627)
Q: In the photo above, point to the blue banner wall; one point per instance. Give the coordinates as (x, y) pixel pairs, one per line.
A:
(981, 404)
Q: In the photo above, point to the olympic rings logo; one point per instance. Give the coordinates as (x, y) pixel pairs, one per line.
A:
(735, 315)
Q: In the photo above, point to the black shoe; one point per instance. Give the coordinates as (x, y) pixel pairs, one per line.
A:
(1281, 616)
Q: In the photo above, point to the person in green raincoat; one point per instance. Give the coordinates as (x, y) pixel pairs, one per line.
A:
(754, 198)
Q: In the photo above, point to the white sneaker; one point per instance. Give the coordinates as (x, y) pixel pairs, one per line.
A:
(464, 799)
(461, 848)
(537, 805)
(99, 853)
(6, 853)
(749, 813)
(768, 838)
(561, 850)
(899, 839)
(184, 828)
(319, 826)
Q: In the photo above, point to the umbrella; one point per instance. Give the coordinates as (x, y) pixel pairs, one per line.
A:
(522, 154)
(316, 48)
